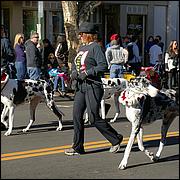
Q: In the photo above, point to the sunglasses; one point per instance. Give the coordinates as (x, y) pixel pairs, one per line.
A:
(36, 37)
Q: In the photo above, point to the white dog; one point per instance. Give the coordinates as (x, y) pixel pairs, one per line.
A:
(145, 104)
(14, 93)
(111, 87)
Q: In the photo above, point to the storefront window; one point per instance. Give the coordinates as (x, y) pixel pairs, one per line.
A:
(5, 20)
(30, 19)
(135, 27)
(57, 25)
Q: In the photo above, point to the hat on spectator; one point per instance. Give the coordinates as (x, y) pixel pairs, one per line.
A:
(114, 37)
(87, 27)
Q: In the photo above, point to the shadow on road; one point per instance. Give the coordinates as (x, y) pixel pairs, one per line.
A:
(67, 125)
(166, 159)
(148, 144)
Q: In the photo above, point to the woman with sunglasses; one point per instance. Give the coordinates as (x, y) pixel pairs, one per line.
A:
(87, 69)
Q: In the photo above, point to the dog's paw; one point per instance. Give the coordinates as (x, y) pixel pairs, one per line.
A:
(149, 154)
(155, 159)
(7, 133)
(122, 165)
(25, 130)
(117, 115)
(113, 120)
(59, 128)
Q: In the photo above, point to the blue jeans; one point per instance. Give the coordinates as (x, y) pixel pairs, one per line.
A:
(116, 71)
(34, 73)
(21, 70)
(56, 81)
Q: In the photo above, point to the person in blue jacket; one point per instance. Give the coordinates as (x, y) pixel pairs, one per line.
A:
(7, 53)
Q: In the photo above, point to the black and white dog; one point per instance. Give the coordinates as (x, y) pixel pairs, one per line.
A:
(14, 93)
(145, 104)
(112, 86)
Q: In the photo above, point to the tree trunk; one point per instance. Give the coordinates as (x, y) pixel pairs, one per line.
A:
(87, 9)
(73, 18)
(70, 13)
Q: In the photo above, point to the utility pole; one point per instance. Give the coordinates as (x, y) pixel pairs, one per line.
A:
(40, 25)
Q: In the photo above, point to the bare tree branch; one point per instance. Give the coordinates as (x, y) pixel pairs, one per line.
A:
(71, 17)
(87, 9)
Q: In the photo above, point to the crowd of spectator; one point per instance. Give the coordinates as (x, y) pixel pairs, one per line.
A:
(35, 60)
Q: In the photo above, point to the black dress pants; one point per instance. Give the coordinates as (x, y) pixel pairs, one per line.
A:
(90, 97)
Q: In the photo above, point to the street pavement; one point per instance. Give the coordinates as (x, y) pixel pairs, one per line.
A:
(39, 153)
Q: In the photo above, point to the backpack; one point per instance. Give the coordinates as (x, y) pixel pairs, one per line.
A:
(130, 52)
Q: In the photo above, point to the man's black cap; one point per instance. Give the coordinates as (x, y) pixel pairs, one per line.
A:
(87, 27)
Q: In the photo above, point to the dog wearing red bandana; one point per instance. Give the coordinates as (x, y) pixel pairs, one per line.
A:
(144, 104)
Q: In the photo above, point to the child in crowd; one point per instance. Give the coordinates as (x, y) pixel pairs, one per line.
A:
(59, 72)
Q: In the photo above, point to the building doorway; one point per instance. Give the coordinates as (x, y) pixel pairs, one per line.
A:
(112, 21)
(5, 20)
(136, 26)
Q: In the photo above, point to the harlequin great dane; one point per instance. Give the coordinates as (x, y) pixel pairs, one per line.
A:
(111, 87)
(14, 93)
(145, 104)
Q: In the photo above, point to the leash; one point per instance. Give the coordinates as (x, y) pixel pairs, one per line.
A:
(97, 82)
(101, 83)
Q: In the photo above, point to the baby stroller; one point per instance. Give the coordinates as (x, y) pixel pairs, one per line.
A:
(10, 69)
(53, 73)
(155, 74)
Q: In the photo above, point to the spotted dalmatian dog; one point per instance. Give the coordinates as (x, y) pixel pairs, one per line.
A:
(145, 104)
(111, 87)
(14, 93)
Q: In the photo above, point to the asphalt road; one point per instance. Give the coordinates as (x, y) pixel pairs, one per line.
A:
(39, 153)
